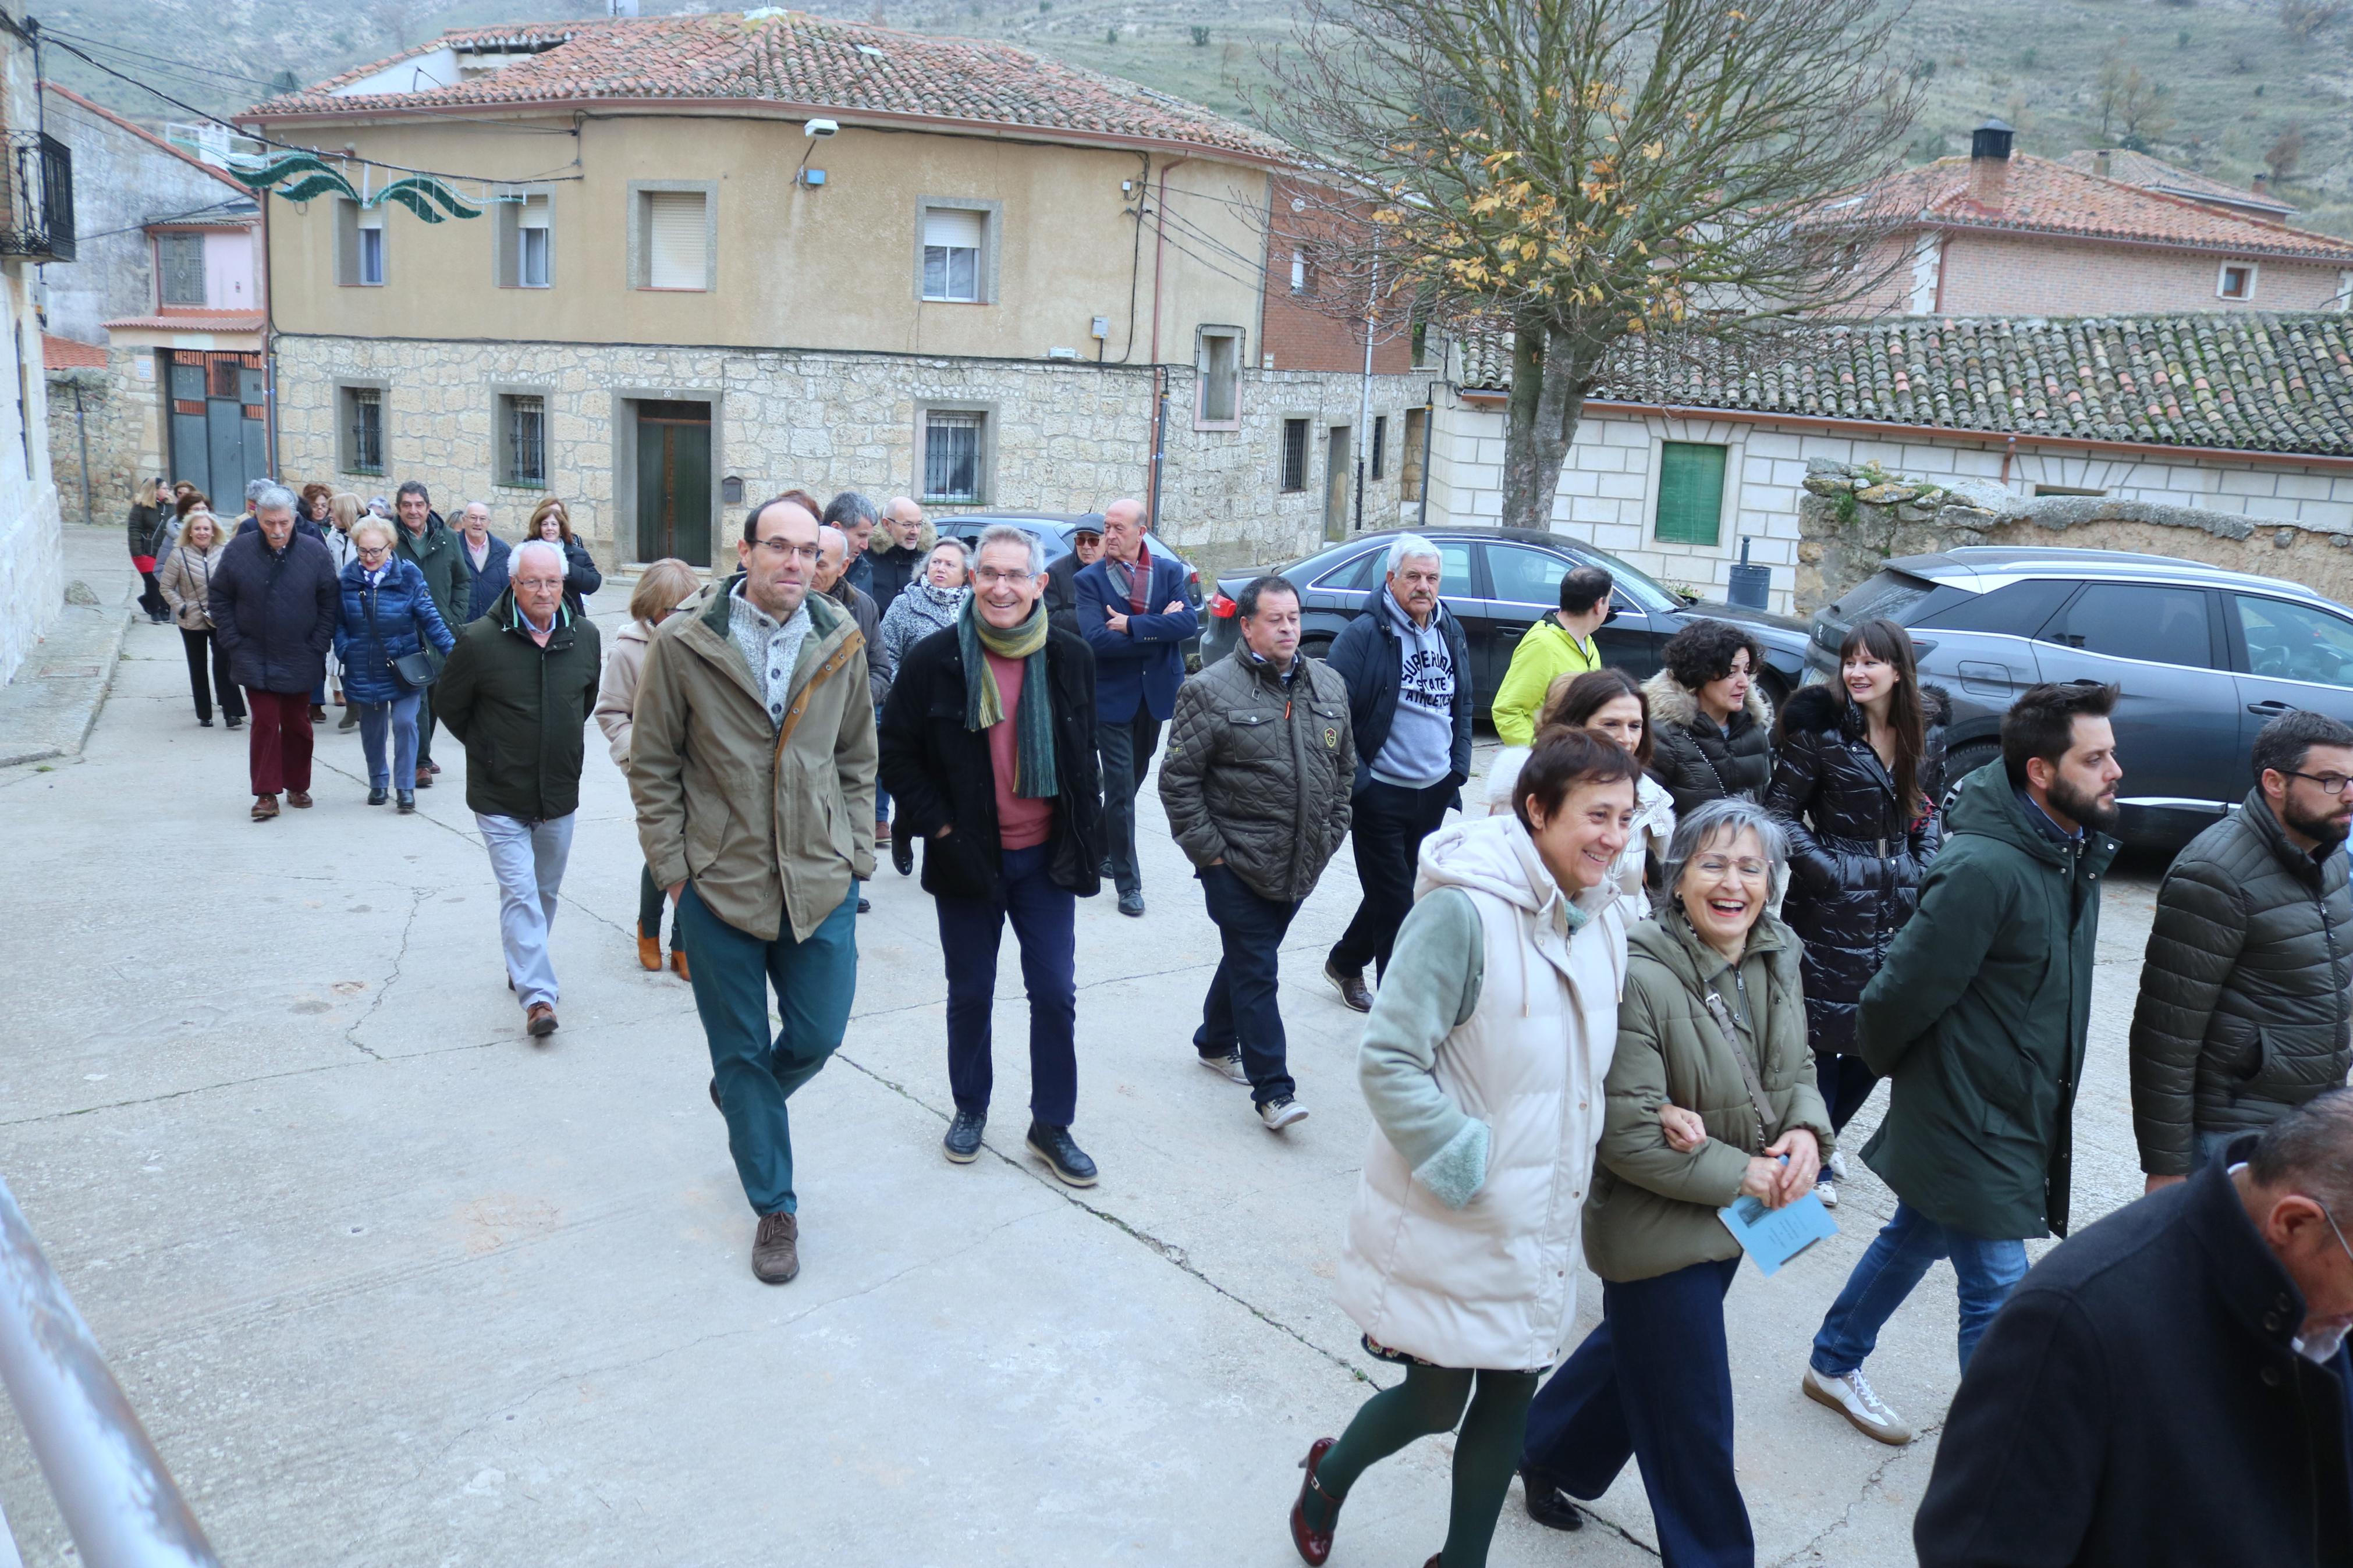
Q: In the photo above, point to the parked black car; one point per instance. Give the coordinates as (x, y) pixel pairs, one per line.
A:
(2204, 655)
(1056, 528)
(1500, 582)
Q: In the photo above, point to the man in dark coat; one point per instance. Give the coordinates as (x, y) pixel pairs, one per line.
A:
(2242, 1011)
(517, 692)
(1980, 1016)
(1256, 784)
(832, 579)
(1062, 576)
(433, 546)
(482, 566)
(1408, 671)
(902, 541)
(1133, 613)
(274, 604)
(2171, 1389)
(988, 742)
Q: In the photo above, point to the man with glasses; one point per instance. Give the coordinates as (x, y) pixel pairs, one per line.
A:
(2172, 1388)
(2243, 1013)
(516, 693)
(752, 763)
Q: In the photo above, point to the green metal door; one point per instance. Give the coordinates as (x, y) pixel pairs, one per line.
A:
(674, 482)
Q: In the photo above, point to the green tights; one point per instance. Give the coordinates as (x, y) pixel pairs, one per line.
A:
(1430, 1401)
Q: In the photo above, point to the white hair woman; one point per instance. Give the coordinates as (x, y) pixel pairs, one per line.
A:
(388, 615)
(929, 604)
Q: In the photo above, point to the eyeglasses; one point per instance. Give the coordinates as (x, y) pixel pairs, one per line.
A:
(2332, 1225)
(540, 584)
(990, 576)
(2330, 784)
(788, 550)
(1717, 866)
(368, 552)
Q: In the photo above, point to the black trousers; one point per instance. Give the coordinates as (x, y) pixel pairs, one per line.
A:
(232, 699)
(151, 596)
(1846, 1082)
(1243, 1010)
(1389, 824)
(424, 727)
(1125, 747)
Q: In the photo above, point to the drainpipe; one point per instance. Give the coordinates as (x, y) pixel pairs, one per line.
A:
(2008, 450)
(1364, 394)
(81, 433)
(1429, 422)
(1159, 371)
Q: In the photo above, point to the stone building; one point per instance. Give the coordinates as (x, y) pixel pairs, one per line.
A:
(1691, 453)
(36, 226)
(720, 255)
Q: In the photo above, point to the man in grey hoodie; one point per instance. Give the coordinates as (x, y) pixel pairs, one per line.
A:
(1407, 670)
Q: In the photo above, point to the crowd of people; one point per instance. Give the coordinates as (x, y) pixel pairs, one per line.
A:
(1655, 979)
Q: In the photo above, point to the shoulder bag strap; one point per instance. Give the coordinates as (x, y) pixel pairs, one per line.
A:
(1732, 1038)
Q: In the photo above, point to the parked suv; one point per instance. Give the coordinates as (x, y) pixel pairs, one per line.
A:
(2204, 657)
(1499, 582)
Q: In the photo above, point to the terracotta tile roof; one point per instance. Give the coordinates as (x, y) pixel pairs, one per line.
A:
(2155, 175)
(2222, 379)
(845, 68)
(193, 321)
(2044, 197)
(65, 353)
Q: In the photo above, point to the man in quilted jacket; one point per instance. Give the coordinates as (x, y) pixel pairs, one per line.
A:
(2243, 1013)
(1257, 781)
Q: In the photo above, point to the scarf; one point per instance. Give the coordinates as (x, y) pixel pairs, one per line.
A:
(1033, 738)
(1139, 579)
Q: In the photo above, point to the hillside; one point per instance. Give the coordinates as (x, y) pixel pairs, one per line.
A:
(2217, 86)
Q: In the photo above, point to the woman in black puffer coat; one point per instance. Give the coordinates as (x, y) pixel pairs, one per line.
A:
(1711, 726)
(1860, 766)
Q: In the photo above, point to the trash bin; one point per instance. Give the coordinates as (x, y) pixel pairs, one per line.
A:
(1751, 587)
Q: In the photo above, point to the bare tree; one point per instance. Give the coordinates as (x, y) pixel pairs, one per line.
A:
(2140, 108)
(2282, 155)
(1577, 171)
(2303, 18)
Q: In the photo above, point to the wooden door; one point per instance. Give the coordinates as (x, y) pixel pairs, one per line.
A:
(674, 482)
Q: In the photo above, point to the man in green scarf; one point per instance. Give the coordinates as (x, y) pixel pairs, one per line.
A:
(988, 745)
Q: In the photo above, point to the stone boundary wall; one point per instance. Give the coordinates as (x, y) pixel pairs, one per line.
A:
(1855, 518)
(112, 418)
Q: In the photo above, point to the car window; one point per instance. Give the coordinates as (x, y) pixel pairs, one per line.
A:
(2159, 623)
(2014, 609)
(1519, 576)
(2296, 642)
(1454, 568)
(1357, 574)
(1365, 573)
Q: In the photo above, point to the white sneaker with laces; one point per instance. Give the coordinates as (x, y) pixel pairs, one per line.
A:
(1279, 1114)
(1838, 1166)
(1852, 1397)
(1827, 1192)
(1227, 1066)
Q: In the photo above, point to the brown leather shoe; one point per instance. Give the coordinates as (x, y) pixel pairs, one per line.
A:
(678, 963)
(265, 807)
(1352, 988)
(1314, 1548)
(776, 1249)
(649, 953)
(300, 799)
(424, 779)
(538, 1020)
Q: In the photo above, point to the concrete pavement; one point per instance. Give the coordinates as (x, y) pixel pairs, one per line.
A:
(391, 1284)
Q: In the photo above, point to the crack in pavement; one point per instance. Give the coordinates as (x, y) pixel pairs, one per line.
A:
(1812, 1548)
(417, 896)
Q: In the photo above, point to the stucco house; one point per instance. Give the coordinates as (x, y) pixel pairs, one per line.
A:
(36, 229)
(722, 254)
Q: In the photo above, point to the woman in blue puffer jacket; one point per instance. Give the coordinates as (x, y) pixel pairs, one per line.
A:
(388, 614)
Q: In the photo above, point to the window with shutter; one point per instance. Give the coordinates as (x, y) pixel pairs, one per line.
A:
(677, 240)
(181, 269)
(1690, 493)
(369, 235)
(953, 237)
(535, 247)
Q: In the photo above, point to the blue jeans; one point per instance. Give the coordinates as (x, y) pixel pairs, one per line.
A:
(814, 982)
(1243, 1010)
(1653, 1382)
(528, 859)
(400, 716)
(1045, 924)
(1988, 1271)
(882, 795)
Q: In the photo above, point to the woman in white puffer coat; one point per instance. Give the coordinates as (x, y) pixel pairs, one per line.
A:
(1483, 1062)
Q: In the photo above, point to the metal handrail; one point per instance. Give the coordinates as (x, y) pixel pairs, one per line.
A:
(116, 1499)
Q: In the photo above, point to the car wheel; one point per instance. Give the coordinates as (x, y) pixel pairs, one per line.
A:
(1963, 760)
(1315, 648)
(1776, 691)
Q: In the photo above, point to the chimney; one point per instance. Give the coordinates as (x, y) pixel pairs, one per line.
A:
(1989, 164)
(2263, 184)
(2100, 163)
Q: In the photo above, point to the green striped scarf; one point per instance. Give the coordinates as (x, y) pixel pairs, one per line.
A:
(1033, 737)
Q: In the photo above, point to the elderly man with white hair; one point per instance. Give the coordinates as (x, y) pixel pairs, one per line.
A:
(516, 693)
(274, 604)
(1409, 675)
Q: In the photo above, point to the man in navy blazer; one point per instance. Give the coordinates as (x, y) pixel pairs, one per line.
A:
(1133, 613)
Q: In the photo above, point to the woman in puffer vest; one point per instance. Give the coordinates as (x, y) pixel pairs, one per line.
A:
(1482, 1063)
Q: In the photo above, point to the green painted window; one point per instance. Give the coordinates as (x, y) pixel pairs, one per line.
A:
(1690, 492)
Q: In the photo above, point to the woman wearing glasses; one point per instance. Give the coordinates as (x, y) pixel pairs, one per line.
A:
(388, 614)
(1710, 1097)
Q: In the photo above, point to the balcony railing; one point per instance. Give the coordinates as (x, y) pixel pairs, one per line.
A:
(40, 221)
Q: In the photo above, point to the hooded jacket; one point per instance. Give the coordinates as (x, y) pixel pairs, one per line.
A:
(1856, 854)
(1980, 1015)
(1369, 656)
(1696, 761)
(1482, 1063)
(1547, 652)
(1647, 836)
(2243, 1012)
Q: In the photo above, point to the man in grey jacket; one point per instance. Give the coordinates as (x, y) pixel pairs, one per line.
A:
(2243, 1012)
(1256, 783)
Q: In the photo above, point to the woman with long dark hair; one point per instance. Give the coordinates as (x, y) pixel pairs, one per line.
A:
(1862, 762)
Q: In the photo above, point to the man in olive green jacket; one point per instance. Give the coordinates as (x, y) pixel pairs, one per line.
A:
(752, 763)
(1979, 1017)
(424, 539)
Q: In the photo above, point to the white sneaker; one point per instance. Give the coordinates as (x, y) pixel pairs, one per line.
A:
(1827, 1192)
(1279, 1114)
(1852, 1397)
(1227, 1066)
(1838, 1166)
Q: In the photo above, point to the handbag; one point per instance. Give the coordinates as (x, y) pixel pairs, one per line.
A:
(411, 670)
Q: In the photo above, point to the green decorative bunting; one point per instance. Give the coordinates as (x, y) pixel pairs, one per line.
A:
(421, 193)
(305, 177)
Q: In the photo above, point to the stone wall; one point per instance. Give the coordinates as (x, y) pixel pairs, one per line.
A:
(1064, 437)
(1855, 518)
(120, 425)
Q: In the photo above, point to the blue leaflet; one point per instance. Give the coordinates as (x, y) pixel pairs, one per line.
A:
(1773, 1236)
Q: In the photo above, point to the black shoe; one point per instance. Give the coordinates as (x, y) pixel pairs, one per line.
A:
(1549, 1505)
(203, 723)
(1062, 1155)
(407, 803)
(963, 1141)
(902, 856)
(1352, 990)
(236, 723)
(1132, 905)
(1104, 869)
(864, 908)
(348, 721)
(377, 796)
